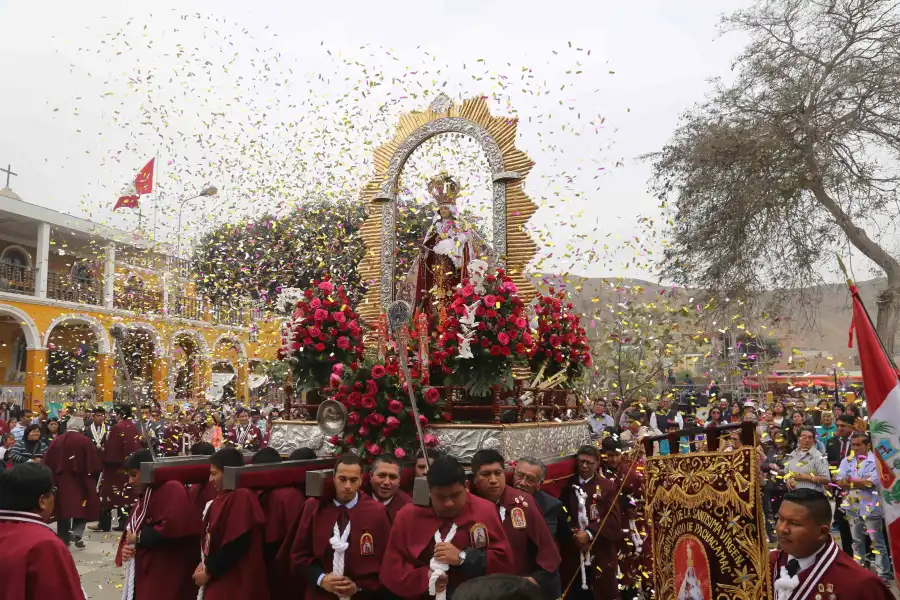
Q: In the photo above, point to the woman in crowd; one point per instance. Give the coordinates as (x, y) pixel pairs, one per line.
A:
(212, 432)
(821, 408)
(826, 429)
(736, 413)
(807, 467)
(31, 448)
(793, 426)
(7, 441)
(715, 418)
(50, 430)
(778, 413)
(860, 423)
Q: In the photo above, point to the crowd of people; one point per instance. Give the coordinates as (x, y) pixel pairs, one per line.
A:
(364, 537)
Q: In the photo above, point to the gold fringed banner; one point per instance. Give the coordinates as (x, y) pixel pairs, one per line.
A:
(707, 527)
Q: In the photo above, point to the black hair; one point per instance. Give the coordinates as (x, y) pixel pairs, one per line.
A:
(486, 457)
(29, 429)
(134, 461)
(387, 458)
(847, 419)
(227, 457)
(432, 455)
(203, 449)
(589, 450)
(499, 586)
(861, 436)
(99, 410)
(609, 445)
(124, 411)
(240, 410)
(23, 486)
(445, 470)
(265, 456)
(814, 501)
(347, 459)
(302, 454)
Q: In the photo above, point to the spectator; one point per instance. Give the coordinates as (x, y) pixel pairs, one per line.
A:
(8, 441)
(793, 426)
(826, 428)
(821, 408)
(715, 418)
(859, 424)
(31, 448)
(778, 413)
(601, 420)
(50, 430)
(858, 475)
(806, 467)
(17, 428)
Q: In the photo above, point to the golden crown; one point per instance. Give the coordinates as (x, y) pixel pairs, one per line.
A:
(444, 189)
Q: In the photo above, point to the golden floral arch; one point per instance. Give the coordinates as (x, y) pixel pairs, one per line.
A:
(511, 206)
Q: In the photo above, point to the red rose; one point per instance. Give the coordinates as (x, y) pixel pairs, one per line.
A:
(339, 317)
(320, 315)
(371, 387)
(393, 422)
(343, 343)
(368, 401)
(423, 420)
(504, 350)
(354, 399)
(520, 348)
(349, 439)
(400, 453)
(353, 418)
(363, 430)
(373, 448)
(432, 395)
(354, 366)
(502, 338)
(396, 407)
(468, 291)
(326, 287)
(495, 350)
(308, 293)
(378, 371)
(320, 347)
(490, 300)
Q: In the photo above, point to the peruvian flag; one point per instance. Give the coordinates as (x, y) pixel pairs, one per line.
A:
(883, 402)
(142, 184)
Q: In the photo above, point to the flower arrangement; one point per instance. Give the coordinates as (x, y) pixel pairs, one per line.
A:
(486, 331)
(322, 331)
(561, 344)
(379, 416)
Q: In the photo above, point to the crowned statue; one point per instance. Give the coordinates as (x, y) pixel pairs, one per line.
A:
(449, 247)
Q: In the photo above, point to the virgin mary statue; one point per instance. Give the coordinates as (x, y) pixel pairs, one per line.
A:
(444, 255)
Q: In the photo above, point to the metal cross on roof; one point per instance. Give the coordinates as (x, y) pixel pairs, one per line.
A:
(8, 171)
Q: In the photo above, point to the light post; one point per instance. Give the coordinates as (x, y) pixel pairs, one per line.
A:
(209, 191)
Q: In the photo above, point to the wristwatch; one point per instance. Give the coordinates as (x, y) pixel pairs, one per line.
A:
(462, 556)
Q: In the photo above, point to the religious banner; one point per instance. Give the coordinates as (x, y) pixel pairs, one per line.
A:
(707, 526)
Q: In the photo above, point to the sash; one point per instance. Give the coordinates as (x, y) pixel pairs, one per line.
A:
(134, 525)
(98, 435)
(823, 561)
(20, 516)
(242, 435)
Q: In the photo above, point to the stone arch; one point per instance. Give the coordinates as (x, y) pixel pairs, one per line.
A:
(29, 327)
(159, 347)
(202, 345)
(241, 347)
(100, 333)
(28, 259)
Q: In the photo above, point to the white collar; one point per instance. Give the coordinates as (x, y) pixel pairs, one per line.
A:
(584, 481)
(350, 504)
(386, 502)
(20, 516)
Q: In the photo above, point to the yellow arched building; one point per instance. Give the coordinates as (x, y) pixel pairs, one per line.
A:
(65, 281)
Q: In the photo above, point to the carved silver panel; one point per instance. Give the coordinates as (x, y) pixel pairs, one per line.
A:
(544, 442)
(287, 436)
(388, 196)
(462, 443)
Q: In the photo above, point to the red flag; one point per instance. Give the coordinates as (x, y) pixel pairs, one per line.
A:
(882, 389)
(143, 184)
(143, 181)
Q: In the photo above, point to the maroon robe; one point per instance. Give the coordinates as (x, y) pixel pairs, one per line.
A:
(311, 552)
(601, 509)
(76, 465)
(399, 500)
(636, 566)
(843, 580)
(531, 542)
(231, 515)
(249, 438)
(281, 507)
(123, 440)
(406, 563)
(165, 570)
(202, 494)
(36, 564)
(172, 440)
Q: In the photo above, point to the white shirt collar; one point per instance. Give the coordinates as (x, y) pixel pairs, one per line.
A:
(386, 502)
(350, 504)
(808, 561)
(584, 481)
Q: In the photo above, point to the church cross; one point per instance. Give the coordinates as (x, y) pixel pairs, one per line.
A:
(8, 171)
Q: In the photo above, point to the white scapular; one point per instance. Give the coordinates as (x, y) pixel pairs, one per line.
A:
(439, 568)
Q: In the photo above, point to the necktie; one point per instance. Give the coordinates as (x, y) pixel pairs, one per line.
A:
(793, 567)
(343, 517)
(843, 449)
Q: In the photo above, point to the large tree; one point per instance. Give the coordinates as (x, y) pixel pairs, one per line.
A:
(793, 158)
(321, 237)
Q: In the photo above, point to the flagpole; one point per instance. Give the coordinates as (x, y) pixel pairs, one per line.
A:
(852, 286)
(156, 199)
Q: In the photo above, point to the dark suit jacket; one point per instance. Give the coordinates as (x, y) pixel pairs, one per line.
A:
(557, 519)
(833, 451)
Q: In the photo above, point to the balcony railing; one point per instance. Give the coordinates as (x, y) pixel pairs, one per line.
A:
(186, 308)
(83, 290)
(139, 301)
(181, 266)
(227, 315)
(17, 279)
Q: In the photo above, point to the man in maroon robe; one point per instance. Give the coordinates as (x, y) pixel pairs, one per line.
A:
(160, 544)
(600, 537)
(477, 546)
(281, 507)
(202, 494)
(115, 493)
(536, 555)
(385, 484)
(244, 435)
(75, 464)
(35, 562)
(348, 528)
(232, 567)
(808, 564)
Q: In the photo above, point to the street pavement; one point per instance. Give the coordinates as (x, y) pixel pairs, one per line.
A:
(96, 563)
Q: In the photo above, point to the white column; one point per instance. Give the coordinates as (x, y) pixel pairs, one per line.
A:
(109, 276)
(165, 292)
(42, 264)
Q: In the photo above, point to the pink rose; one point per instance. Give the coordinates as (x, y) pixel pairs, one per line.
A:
(326, 287)
(314, 331)
(396, 407)
(526, 339)
(509, 286)
(373, 448)
(339, 317)
(335, 380)
(468, 291)
(423, 420)
(376, 419)
(315, 303)
(490, 300)
(354, 399)
(337, 368)
(521, 323)
(392, 422)
(371, 387)
(320, 314)
(353, 418)
(343, 342)
(430, 440)
(502, 338)
(400, 453)
(378, 371)
(432, 395)
(363, 430)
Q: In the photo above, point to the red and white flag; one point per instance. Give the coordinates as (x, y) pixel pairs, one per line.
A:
(882, 388)
(130, 195)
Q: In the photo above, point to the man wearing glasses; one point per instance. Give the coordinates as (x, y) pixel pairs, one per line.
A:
(530, 474)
